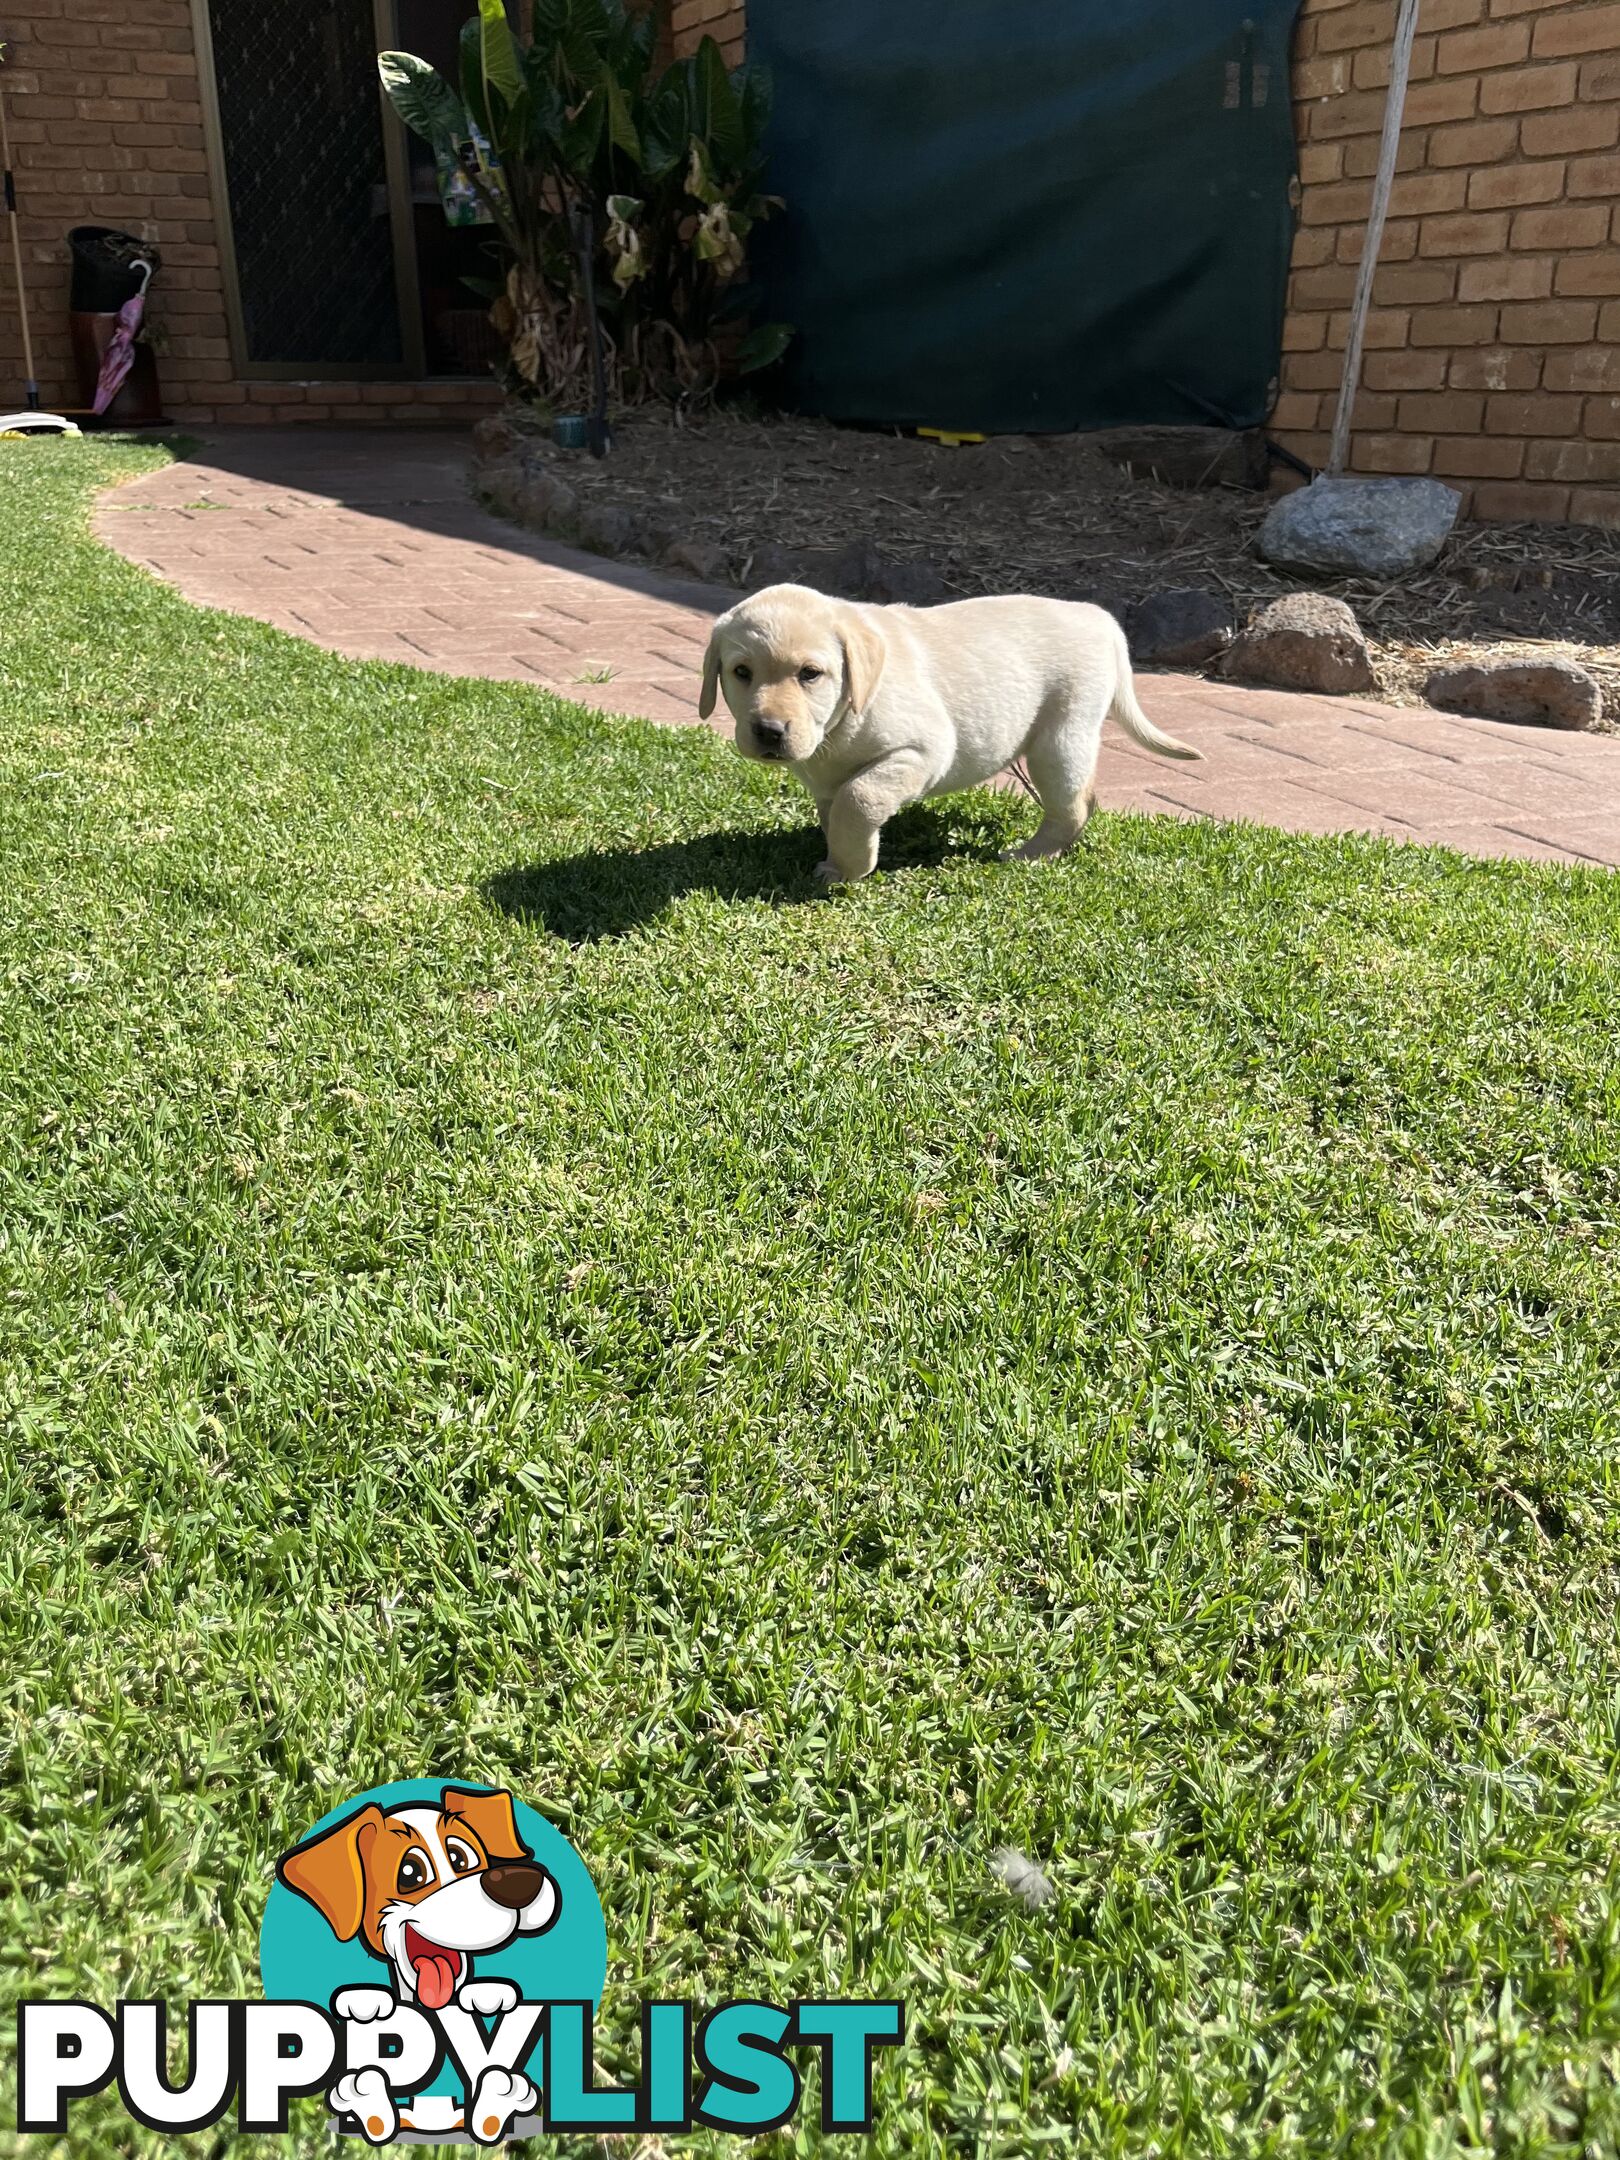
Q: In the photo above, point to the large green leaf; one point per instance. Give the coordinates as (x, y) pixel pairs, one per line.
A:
(474, 95)
(763, 346)
(752, 83)
(621, 127)
(719, 110)
(423, 99)
(666, 123)
(499, 50)
(547, 112)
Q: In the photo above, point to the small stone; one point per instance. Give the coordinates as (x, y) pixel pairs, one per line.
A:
(500, 483)
(864, 572)
(704, 559)
(1186, 627)
(774, 565)
(1304, 641)
(496, 435)
(901, 581)
(547, 504)
(1532, 693)
(605, 529)
(1360, 528)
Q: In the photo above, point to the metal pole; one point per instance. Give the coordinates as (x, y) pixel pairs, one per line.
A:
(1400, 67)
(17, 257)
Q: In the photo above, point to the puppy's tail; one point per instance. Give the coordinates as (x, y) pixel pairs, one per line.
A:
(1135, 721)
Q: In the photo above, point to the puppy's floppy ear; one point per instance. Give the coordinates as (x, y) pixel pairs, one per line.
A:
(711, 675)
(330, 1870)
(864, 655)
(489, 1816)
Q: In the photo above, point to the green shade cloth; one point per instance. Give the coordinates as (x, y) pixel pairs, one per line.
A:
(1012, 215)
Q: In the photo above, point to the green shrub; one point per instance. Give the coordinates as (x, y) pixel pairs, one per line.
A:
(609, 182)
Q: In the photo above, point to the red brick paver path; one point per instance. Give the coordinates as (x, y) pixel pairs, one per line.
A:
(369, 544)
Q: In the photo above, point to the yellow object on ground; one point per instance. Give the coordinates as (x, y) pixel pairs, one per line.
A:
(952, 438)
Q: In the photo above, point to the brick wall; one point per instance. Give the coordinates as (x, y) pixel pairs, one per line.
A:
(1493, 348)
(723, 20)
(1493, 353)
(106, 127)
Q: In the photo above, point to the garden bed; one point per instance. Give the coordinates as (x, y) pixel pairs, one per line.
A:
(744, 500)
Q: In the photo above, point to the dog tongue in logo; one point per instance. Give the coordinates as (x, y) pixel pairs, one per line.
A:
(437, 1970)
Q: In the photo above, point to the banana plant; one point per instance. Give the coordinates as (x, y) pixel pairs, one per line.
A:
(665, 168)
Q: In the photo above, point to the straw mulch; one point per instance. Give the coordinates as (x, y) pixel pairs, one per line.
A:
(1050, 514)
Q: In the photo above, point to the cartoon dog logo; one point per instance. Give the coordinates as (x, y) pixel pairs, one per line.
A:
(426, 1889)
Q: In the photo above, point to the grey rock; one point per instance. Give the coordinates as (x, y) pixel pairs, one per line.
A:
(1186, 457)
(606, 530)
(864, 572)
(774, 565)
(1360, 528)
(500, 482)
(850, 572)
(901, 581)
(547, 504)
(1187, 627)
(1534, 693)
(1304, 641)
(704, 559)
(495, 435)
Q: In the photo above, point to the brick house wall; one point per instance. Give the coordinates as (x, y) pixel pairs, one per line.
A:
(1493, 348)
(106, 125)
(723, 20)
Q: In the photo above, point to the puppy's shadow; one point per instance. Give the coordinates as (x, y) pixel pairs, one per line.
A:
(609, 893)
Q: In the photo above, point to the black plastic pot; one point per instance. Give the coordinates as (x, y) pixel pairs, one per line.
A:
(102, 277)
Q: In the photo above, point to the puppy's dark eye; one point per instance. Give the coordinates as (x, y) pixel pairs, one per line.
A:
(811, 674)
(462, 1857)
(414, 1871)
(743, 674)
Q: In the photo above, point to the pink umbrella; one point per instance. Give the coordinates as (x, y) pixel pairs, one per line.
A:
(119, 357)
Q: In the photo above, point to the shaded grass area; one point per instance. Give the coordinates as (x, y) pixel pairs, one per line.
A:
(1114, 1358)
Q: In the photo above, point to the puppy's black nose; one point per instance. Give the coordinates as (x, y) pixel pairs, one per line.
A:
(514, 1884)
(769, 734)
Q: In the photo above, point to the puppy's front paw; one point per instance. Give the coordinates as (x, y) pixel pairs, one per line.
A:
(363, 2005)
(488, 1998)
(502, 2095)
(828, 873)
(364, 2094)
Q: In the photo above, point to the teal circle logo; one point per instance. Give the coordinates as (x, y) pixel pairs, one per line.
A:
(425, 1888)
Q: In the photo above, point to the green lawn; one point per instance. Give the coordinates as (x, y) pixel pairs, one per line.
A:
(1114, 1358)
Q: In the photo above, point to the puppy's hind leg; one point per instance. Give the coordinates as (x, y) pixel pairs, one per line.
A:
(1062, 760)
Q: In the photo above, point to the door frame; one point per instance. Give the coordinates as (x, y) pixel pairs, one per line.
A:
(396, 165)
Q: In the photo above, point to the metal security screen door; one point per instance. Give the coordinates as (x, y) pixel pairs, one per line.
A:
(303, 153)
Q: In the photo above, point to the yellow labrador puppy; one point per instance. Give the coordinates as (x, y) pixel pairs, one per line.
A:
(876, 707)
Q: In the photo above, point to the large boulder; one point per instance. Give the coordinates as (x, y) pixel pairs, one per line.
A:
(1184, 628)
(1534, 693)
(1360, 528)
(1304, 641)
